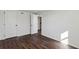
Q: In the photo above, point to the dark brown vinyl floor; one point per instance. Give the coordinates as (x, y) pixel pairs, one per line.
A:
(32, 42)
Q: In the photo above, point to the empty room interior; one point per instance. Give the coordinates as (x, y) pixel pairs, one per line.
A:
(39, 29)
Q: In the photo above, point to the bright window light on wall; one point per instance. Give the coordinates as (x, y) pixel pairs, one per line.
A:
(65, 41)
(64, 37)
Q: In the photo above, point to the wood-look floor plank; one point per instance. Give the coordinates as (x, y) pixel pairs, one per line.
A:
(32, 42)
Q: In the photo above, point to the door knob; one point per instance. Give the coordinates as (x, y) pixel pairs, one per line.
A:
(16, 25)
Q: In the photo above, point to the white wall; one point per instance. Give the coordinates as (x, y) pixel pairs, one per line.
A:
(10, 23)
(23, 23)
(10, 19)
(34, 23)
(1, 25)
(56, 22)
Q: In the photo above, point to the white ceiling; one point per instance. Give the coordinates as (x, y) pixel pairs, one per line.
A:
(34, 11)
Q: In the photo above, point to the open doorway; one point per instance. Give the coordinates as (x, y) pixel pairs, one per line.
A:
(39, 25)
(36, 24)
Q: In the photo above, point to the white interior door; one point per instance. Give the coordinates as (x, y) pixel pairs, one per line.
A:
(1, 25)
(23, 23)
(10, 23)
(34, 23)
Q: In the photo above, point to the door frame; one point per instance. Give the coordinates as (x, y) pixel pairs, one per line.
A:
(40, 23)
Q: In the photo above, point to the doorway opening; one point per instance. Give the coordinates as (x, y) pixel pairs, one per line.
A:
(39, 25)
(35, 24)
